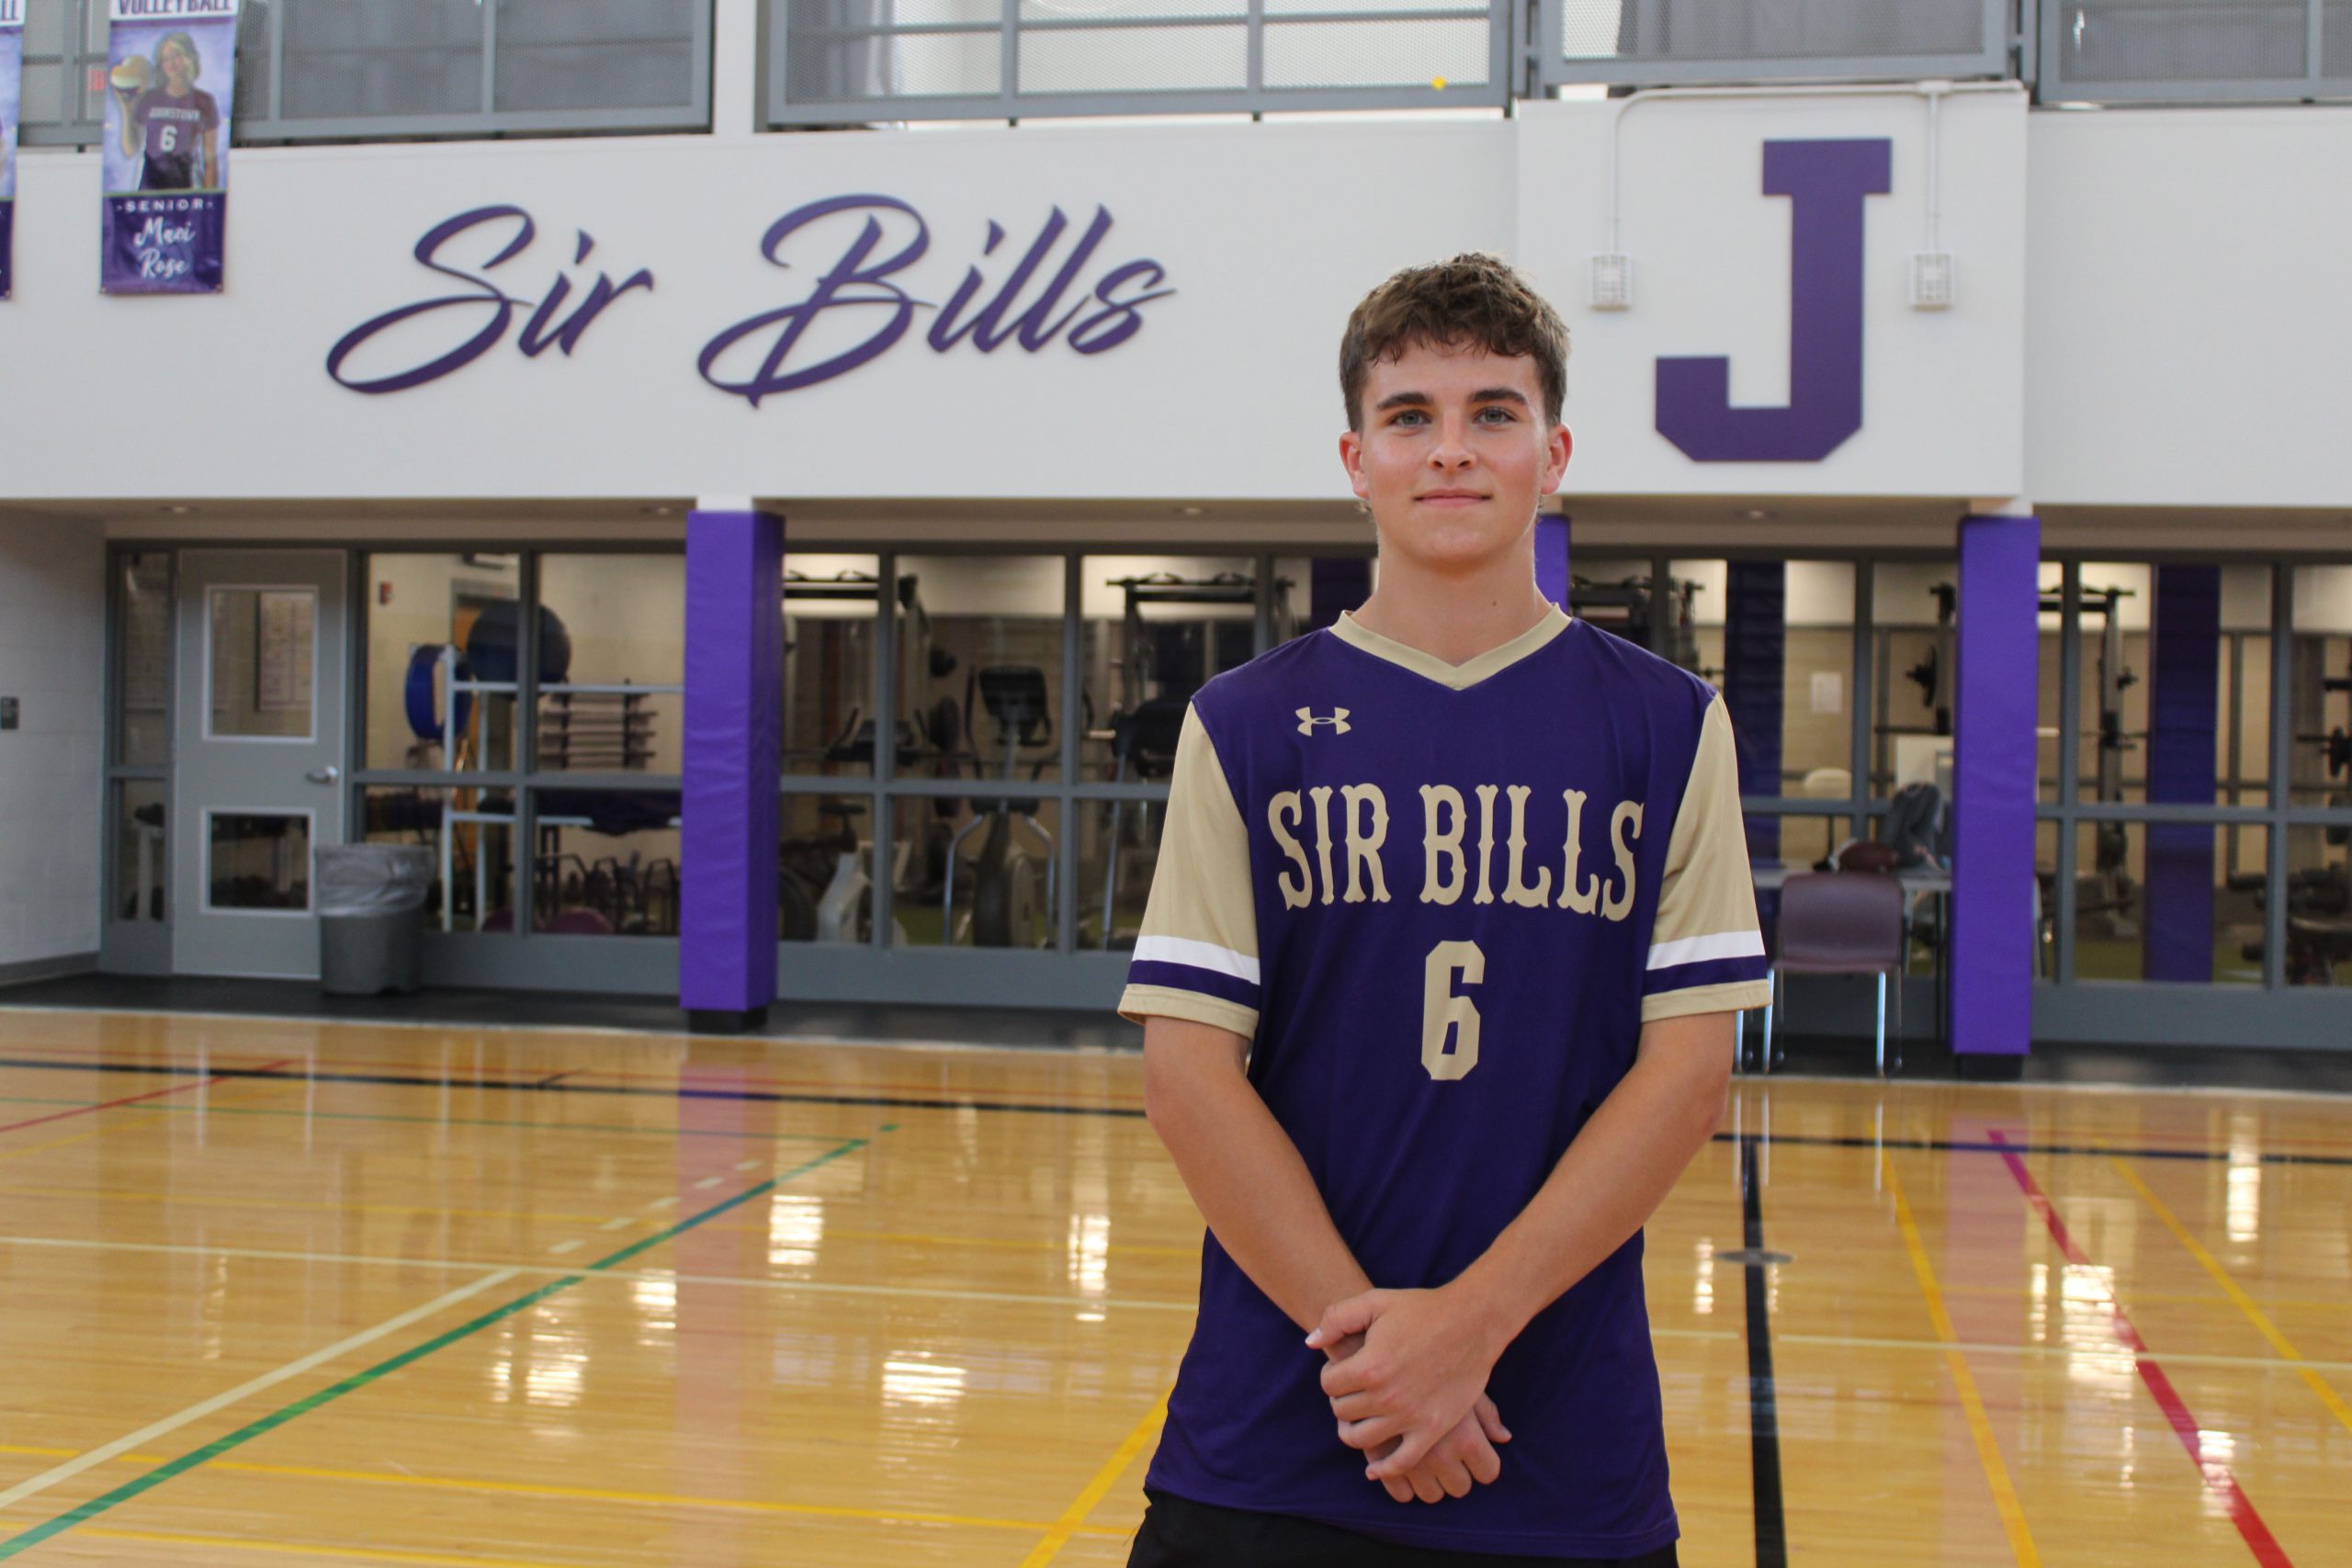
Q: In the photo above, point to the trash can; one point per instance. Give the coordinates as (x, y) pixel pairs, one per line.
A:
(371, 903)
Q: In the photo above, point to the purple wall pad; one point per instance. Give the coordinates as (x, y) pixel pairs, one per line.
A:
(2184, 714)
(727, 853)
(1551, 559)
(1335, 583)
(1756, 646)
(1991, 973)
(1828, 184)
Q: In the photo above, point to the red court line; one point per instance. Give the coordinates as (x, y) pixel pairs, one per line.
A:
(127, 1100)
(522, 1074)
(2218, 1479)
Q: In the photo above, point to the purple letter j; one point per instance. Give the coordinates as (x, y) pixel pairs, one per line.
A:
(1825, 183)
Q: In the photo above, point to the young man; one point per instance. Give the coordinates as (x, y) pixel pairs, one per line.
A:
(1451, 914)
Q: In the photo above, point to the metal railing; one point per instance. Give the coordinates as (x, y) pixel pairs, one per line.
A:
(836, 62)
(1647, 43)
(2127, 51)
(402, 70)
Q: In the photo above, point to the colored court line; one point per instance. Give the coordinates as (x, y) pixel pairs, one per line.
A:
(459, 1121)
(1980, 1427)
(362, 1379)
(592, 1494)
(528, 1086)
(201, 1201)
(197, 1412)
(2243, 1303)
(1116, 1113)
(210, 1079)
(1074, 1517)
(366, 1554)
(2216, 1475)
(1763, 1394)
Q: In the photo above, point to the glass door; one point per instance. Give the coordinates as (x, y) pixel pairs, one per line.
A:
(260, 715)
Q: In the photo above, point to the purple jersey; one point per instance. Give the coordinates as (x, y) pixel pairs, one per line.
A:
(174, 129)
(1441, 901)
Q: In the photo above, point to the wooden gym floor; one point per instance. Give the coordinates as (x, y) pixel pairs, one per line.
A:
(273, 1291)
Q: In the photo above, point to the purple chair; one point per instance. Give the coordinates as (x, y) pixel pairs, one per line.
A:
(1841, 922)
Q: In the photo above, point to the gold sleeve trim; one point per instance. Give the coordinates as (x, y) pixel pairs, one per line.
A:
(1141, 1002)
(1732, 995)
(1707, 889)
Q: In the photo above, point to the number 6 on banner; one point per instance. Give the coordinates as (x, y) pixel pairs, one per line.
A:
(1443, 1008)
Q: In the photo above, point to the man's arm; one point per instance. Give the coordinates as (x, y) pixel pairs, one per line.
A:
(1427, 1355)
(1259, 1197)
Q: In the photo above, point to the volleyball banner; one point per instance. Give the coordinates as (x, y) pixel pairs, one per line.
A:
(171, 78)
(12, 77)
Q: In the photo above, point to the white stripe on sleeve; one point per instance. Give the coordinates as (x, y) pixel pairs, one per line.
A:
(1205, 955)
(1700, 949)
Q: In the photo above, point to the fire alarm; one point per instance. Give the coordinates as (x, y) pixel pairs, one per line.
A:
(383, 593)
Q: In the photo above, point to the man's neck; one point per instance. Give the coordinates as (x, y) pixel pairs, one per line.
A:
(1455, 618)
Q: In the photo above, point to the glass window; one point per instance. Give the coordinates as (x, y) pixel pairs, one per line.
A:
(595, 55)
(143, 660)
(606, 862)
(2153, 902)
(608, 625)
(2320, 766)
(830, 615)
(981, 660)
(996, 860)
(1913, 610)
(2319, 904)
(141, 870)
(826, 891)
(418, 606)
(1118, 853)
(257, 861)
(261, 662)
(1309, 591)
(387, 57)
(1156, 630)
(474, 889)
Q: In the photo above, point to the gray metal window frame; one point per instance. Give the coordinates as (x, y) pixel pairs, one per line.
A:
(2275, 816)
(488, 122)
(2313, 87)
(1998, 58)
(1011, 102)
(135, 946)
(524, 785)
(881, 789)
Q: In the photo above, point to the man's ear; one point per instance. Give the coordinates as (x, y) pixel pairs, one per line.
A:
(1556, 462)
(1351, 459)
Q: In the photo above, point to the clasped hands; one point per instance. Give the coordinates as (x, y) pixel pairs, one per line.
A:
(1406, 1371)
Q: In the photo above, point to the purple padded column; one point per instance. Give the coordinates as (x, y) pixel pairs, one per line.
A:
(727, 872)
(1552, 559)
(1992, 873)
(1335, 583)
(2184, 713)
(1755, 655)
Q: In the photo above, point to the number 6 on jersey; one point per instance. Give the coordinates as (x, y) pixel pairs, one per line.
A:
(1442, 1007)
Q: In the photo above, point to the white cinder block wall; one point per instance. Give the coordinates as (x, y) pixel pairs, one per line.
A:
(52, 659)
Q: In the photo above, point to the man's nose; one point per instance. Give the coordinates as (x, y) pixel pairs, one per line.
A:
(1452, 449)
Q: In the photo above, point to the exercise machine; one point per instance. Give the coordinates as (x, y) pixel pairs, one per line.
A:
(1630, 608)
(1006, 909)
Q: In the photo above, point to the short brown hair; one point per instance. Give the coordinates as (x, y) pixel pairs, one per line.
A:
(1473, 301)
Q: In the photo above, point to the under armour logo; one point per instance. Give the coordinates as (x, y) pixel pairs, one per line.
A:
(1338, 721)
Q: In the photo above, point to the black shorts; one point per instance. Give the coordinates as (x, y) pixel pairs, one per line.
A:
(1180, 1533)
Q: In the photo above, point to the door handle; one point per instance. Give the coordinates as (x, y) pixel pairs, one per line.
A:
(326, 775)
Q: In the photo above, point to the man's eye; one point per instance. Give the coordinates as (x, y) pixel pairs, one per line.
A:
(1498, 415)
(1409, 416)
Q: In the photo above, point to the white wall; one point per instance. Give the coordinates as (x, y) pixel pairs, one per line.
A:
(52, 657)
(2188, 320)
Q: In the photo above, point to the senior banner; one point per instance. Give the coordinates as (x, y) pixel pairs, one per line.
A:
(12, 74)
(170, 79)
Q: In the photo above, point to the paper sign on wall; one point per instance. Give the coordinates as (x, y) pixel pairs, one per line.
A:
(11, 76)
(171, 79)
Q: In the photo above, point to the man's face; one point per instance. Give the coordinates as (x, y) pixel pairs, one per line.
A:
(1454, 454)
